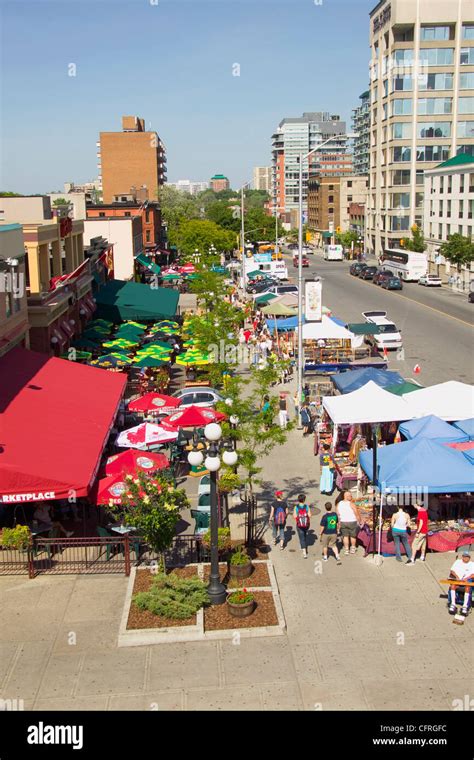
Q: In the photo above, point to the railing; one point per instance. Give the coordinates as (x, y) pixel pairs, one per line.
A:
(15, 562)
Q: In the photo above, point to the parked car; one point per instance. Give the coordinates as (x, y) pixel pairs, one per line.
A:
(307, 250)
(280, 290)
(389, 336)
(259, 286)
(367, 273)
(304, 260)
(198, 396)
(292, 246)
(357, 268)
(430, 280)
(392, 283)
(380, 275)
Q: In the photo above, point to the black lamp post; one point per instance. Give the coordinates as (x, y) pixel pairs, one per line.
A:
(212, 436)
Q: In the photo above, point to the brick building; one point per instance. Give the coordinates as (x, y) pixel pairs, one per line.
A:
(324, 204)
(149, 211)
(219, 182)
(130, 160)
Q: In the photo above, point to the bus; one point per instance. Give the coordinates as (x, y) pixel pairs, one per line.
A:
(408, 265)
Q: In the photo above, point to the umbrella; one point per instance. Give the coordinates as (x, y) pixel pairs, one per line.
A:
(171, 277)
(146, 434)
(278, 310)
(86, 343)
(120, 343)
(193, 416)
(108, 361)
(129, 332)
(110, 489)
(96, 335)
(192, 358)
(132, 461)
(157, 344)
(154, 402)
(167, 323)
(138, 325)
(101, 323)
(149, 361)
(187, 269)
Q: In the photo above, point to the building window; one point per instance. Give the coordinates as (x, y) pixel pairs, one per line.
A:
(403, 83)
(147, 215)
(468, 32)
(461, 183)
(123, 198)
(434, 129)
(127, 213)
(419, 200)
(401, 154)
(147, 236)
(402, 107)
(435, 105)
(400, 223)
(466, 128)
(401, 177)
(331, 199)
(467, 149)
(467, 56)
(101, 213)
(441, 185)
(330, 211)
(430, 33)
(466, 81)
(466, 105)
(436, 82)
(401, 131)
(437, 57)
(401, 200)
(432, 153)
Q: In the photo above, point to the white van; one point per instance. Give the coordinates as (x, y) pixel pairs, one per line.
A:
(389, 336)
(333, 253)
(272, 268)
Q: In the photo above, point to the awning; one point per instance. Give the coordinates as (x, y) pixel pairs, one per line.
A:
(56, 418)
(145, 261)
(433, 428)
(119, 300)
(369, 404)
(346, 382)
(467, 426)
(364, 328)
(450, 401)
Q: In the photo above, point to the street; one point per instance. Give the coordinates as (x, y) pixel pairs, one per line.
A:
(436, 324)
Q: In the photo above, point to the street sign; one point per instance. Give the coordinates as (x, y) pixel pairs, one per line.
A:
(313, 301)
(331, 227)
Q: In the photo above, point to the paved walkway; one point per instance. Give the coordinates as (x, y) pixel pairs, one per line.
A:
(359, 637)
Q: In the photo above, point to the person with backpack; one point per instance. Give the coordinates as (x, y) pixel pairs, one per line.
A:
(278, 517)
(302, 515)
(329, 526)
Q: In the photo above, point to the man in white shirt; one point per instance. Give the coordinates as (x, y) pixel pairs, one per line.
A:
(462, 570)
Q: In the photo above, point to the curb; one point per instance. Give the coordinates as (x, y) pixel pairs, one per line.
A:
(146, 636)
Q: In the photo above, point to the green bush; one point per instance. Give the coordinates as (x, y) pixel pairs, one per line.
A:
(173, 597)
(239, 557)
(223, 538)
(16, 538)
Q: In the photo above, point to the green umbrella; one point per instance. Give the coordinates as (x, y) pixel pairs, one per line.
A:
(157, 344)
(167, 323)
(278, 310)
(134, 324)
(120, 343)
(96, 335)
(83, 342)
(149, 361)
(168, 277)
(128, 333)
(192, 358)
(399, 389)
(101, 323)
(108, 360)
(265, 298)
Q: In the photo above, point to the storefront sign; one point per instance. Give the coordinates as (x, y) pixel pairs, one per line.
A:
(313, 302)
(18, 497)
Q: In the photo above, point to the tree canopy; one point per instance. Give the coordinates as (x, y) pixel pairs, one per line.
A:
(458, 249)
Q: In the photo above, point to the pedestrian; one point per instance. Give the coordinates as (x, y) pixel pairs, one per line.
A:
(400, 525)
(267, 412)
(326, 482)
(328, 534)
(305, 418)
(283, 413)
(349, 519)
(278, 518)
(420, 539)
(302, 515)
(462, 570)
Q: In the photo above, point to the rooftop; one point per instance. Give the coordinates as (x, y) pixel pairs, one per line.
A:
(459, 160)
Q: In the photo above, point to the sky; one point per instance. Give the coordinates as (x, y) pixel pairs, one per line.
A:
(174, 63)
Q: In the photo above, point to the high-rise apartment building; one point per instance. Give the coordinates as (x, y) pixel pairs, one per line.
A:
(262, 178)
(296, 136)
(361, 126)
(188, 186)
(422, 106)
(131, 160)
(219, 182)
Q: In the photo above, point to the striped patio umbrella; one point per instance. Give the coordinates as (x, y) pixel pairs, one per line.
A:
(104, 323)
(167, 323)
(134, 324)
(129, 330)
(120, 343)
(159, 344)
(192, 359)
(96, 335)
(78, 356)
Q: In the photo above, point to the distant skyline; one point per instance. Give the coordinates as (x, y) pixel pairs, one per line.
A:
(214, 78)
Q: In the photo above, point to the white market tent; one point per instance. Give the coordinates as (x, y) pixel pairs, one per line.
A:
(327, 329)
(369, 404)
(450, 401)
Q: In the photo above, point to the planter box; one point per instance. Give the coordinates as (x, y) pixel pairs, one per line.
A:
(241, 610)
(240, 571)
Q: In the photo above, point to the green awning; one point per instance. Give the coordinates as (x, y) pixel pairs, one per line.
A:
(145, 261)
(265, 298)
(327, 235)
(400, 389)
(119, 301)
(364, 328)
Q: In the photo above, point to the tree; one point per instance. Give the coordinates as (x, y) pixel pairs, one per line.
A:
(458, 250)
(347, 238)
(201, 234)
(61, 202)
(221, 214)
(177, 207)
(417, 242)
(261, 226)
(9, 194)
(152, 506)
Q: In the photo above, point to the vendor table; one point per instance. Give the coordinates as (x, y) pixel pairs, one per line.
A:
(442, 541)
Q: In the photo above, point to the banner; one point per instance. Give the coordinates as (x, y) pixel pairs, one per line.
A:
(313, 301)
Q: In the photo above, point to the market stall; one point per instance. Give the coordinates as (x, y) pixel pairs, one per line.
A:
(346, 382)
(450, 401)
(434, 428)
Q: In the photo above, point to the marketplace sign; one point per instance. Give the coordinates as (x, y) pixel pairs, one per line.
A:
(19, 497)
(313, 301)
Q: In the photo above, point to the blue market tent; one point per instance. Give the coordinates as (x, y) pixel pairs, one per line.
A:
(467, 427)
(282, 324)
(420, 464)
(346, 382)
(434, 428)
(469, 455)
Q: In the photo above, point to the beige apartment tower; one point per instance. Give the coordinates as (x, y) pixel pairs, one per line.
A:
(421, 104)
(131, 161)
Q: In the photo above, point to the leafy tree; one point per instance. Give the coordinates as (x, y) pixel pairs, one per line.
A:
(417, 242)
(60, 202)
(458, 250)
(9, 194)
(177, 207)
(261, 226)
(201, 234)
(223, 215)
(347, 238)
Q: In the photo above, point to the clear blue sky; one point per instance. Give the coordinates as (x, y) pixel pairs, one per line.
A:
(170, 63)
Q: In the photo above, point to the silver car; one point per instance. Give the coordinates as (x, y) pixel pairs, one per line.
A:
(198, 396)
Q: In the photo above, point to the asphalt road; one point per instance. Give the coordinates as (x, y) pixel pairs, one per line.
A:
(436, 324)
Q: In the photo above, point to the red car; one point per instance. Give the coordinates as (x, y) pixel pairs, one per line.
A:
(304, 260)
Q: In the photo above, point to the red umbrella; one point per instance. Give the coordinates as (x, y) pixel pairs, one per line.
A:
(109, 490)
(187, 269)
(133, 461)
(193, 416)
(146, 434)
(154, 402)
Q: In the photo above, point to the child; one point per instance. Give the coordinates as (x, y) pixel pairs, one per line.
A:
(328, 534)
(302, 515)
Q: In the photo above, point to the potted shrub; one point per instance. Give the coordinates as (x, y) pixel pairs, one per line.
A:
(241, 603)
(18, 537)
(240, 565)
(223, 539)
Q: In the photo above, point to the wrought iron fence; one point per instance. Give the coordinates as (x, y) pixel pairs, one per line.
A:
(251, 528)
(15, 562)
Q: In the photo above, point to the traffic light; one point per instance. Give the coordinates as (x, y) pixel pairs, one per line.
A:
(338, 230)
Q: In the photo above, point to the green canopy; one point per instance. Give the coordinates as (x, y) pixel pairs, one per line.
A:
(278, 310)
(145, 261)
(363, 328)
(157, 344)
(78, 356)
(100, 323)
(86, 343)
(399, 389)
(254, 273)
(108, 360)
(168, 277)
(265, 298)
(149, 361)
(119, 300)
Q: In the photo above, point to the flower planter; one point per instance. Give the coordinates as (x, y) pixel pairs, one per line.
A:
(241, 610)
(240, 571)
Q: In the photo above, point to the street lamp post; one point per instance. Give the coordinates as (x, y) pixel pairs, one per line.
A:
(302, 157)
(242, 231)
(213, 434)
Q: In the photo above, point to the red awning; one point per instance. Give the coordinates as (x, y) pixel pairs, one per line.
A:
(55, 418)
